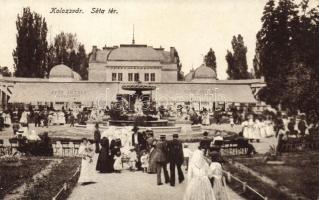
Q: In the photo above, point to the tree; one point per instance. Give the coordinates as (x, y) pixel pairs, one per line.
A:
(67, 50)
(4, 71)
(180, 76)
(256, 61)
(289, 55)
(231, 70)
(210, 59)
(30, 53)
(237, 61)
(274, 50)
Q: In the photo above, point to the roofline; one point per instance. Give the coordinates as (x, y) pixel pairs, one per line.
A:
(217, 82)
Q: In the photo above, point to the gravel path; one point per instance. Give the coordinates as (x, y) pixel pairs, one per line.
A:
(131, 185)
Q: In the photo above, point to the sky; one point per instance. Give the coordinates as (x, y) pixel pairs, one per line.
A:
(192, 27)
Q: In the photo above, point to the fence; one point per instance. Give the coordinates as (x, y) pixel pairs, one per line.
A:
(244, 185)
(63, 191)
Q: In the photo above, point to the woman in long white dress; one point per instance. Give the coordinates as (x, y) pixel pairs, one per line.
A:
(269, 127)
(7, 119)
(87, 166)
(256, 130)
(219, 186)
(245, 129)
(263, 126)
(199, 186)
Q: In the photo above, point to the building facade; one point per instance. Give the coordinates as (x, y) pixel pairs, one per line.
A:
(111, 67)
(131, 63)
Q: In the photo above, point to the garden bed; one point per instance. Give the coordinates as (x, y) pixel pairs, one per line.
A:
(300, 173)
(49, 186)
(12, 176)
(262, 188)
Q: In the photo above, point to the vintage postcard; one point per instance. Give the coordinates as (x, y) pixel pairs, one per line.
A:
(159, 100)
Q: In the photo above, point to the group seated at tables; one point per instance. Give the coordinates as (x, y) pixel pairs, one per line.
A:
(35, 145)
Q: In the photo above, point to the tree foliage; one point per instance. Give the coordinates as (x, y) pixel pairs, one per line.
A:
(4, 71)
(287, 55)
(210, 59)
(237, 61)
(180, 76)
(67, 50)
(30, 53)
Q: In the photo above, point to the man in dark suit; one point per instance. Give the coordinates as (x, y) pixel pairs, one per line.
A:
(161, 159)
(205, 142)
(97, 138)
(176, 158)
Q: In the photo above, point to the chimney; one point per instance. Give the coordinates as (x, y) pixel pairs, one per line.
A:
(172, 54)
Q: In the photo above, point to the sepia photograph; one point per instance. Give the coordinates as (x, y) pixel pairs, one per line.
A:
(159, 100)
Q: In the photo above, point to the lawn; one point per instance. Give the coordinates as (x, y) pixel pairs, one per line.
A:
(300, 173)
(262, 188)
(49, 186)
(13, 176)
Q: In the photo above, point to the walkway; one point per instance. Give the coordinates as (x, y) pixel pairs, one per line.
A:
(131, 185)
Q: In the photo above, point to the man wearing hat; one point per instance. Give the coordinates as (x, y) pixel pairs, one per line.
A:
(161, 159)
(205, 142)
(176, 158)
(97, 138)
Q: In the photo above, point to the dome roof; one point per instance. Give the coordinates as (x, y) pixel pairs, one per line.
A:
(204, 72)
(61, 71)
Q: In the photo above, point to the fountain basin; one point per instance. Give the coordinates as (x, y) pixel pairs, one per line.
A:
(157, 123)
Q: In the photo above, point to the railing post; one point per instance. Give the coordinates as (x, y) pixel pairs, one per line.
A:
(228, 176)
(65, 186)
(265, 198)
(244, 186)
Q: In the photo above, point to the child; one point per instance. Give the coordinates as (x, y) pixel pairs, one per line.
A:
(144, 161)
(187, 154)
(118, 162)
(133, 159)
(231, 121)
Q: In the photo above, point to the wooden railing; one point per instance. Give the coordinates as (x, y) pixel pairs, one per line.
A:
(66, 186)
(244, 185)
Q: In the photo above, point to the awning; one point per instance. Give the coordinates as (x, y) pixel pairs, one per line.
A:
(34, 92)
(57, 92)
(204, 93)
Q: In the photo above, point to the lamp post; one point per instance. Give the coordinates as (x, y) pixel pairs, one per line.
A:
(215, 94)
(106, 90)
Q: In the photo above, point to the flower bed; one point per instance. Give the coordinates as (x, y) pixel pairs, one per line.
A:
(49, 186)
(299, 172)
(13, 175)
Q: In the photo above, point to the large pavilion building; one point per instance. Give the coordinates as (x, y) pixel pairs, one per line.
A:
(111, 67)
(131, 63)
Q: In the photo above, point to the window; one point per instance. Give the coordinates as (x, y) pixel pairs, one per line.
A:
(130, 77)
(136, 77)
(146, 77)
(152, 76)
(113, 76)
(120, 77)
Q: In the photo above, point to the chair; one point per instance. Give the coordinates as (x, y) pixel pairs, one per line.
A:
(65, 147)
(2, 148)
(14, 144)
(55, 147)
(76, 144)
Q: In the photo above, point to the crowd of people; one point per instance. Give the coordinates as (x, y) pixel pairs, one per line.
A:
(257, 127)
(150, 155)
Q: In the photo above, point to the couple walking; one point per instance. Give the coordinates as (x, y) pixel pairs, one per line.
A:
(169, 152)
(205, 179)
